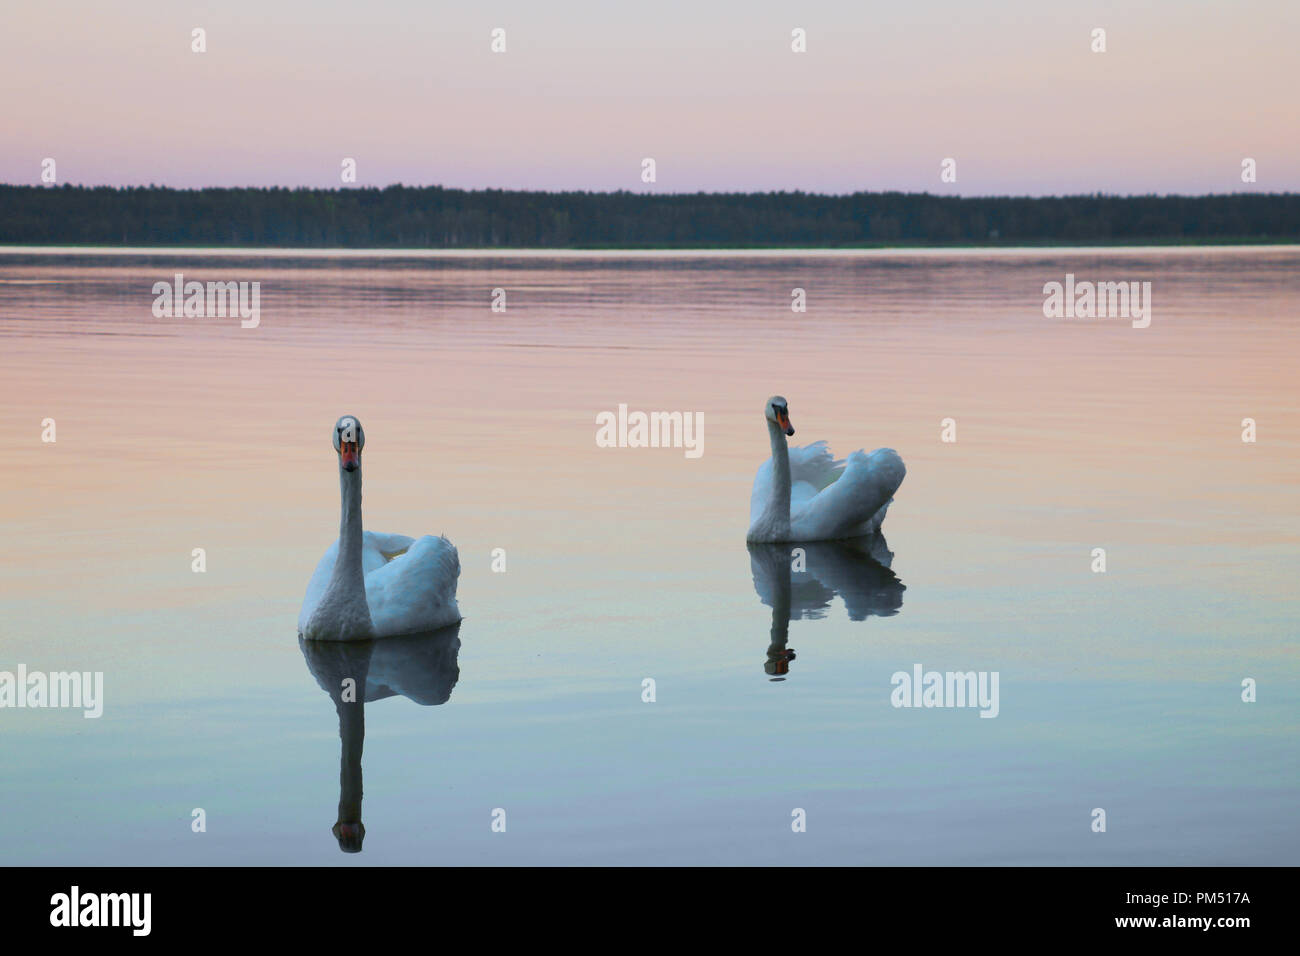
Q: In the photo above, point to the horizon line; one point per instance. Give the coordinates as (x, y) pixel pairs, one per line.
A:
(652, 194)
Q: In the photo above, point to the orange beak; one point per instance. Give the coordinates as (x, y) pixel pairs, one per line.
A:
(783, 419)
(349, 455)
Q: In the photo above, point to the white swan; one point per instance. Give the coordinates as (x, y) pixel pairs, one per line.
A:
(804, 494)
(376, 585)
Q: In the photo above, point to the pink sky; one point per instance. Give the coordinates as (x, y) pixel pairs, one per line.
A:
(710, 90)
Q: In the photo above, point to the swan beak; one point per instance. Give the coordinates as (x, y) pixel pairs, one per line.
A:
(783, 419)
(350, 456)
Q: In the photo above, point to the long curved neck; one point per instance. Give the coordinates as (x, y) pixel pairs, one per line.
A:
(779, 504)
(348, 571)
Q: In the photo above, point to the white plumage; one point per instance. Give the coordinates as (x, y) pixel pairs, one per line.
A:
(371, 585)
(806, 494)
(413, 590)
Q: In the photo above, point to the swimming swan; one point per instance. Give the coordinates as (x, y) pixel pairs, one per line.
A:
(804, 494)
(376, 585)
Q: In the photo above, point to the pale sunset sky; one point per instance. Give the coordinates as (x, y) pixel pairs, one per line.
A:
(711, 90)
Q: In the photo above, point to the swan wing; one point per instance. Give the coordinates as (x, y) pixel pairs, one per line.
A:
(377, 549)
(812, 468)
(416, 590)
(320, 579)
(855, 502)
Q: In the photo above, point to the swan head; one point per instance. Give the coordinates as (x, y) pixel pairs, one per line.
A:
(777, 411)
(349, 835)
(349, 439)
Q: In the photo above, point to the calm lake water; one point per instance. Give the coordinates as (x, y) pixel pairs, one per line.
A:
(1119, 690)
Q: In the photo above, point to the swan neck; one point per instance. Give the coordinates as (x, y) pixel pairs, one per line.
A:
(780, 503)
(350, 533)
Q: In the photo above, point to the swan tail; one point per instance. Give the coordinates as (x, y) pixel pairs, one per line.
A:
(441, 570)
(874, 480)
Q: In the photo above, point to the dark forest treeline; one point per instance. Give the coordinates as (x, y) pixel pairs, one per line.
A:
(434, 217)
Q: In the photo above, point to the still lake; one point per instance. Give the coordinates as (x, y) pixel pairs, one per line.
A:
(1119, 690)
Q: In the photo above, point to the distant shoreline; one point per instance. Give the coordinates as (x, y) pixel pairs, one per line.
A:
(490, 221)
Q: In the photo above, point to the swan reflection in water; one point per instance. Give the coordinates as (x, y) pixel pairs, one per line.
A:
(422, 667)
(798, 580)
